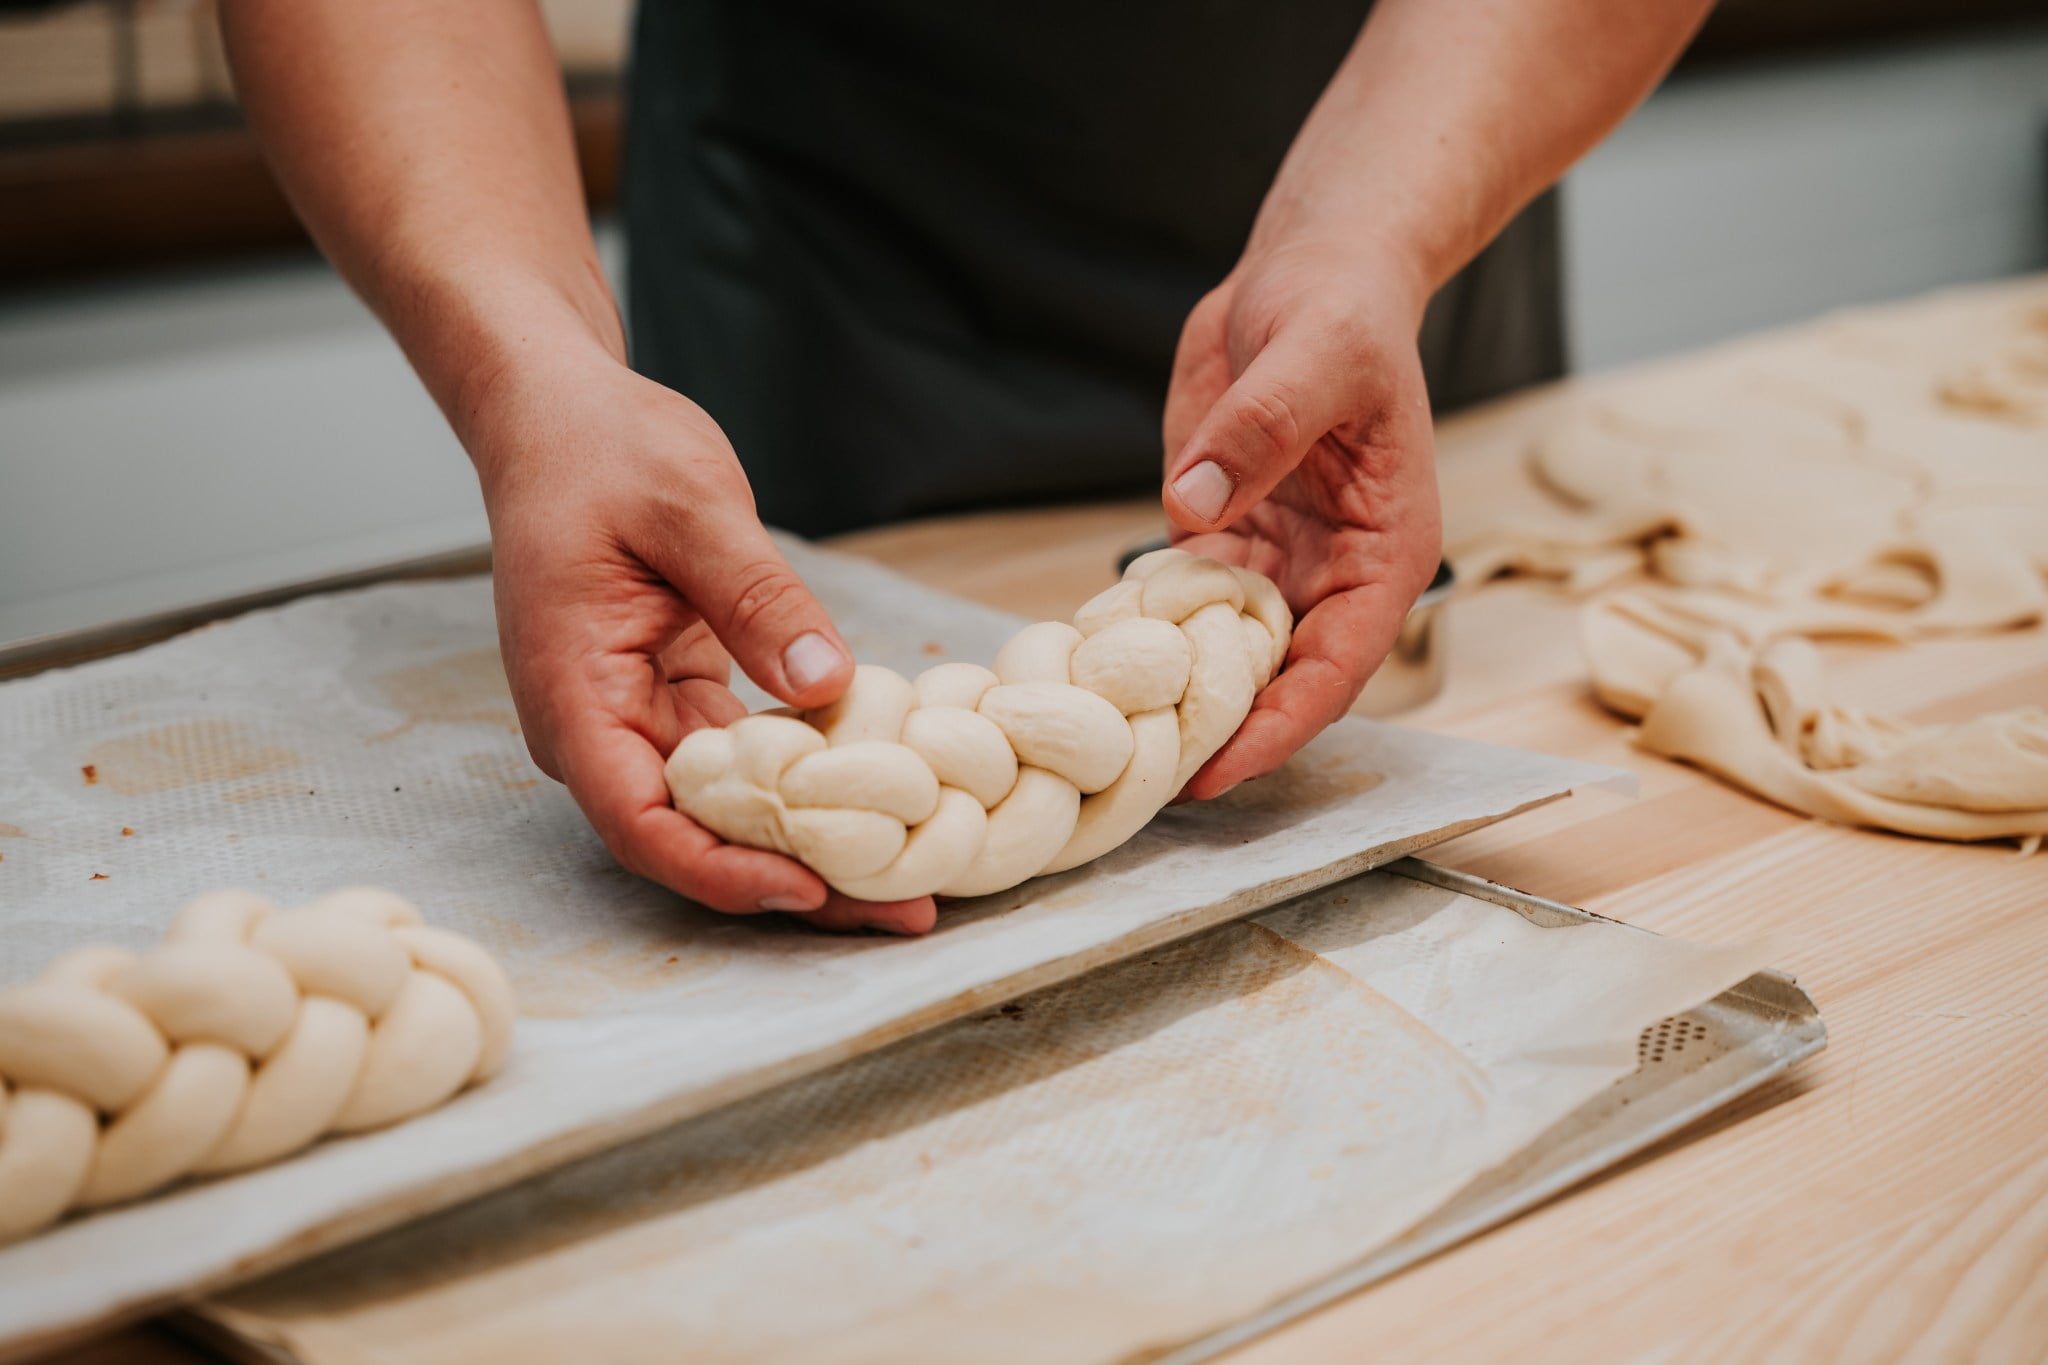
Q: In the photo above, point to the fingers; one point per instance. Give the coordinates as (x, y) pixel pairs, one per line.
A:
(723, 561)
(615, 774)
(700, 702)
(1201, 369)
(842, 913)
(1336, 647)
(695, 654)
(1293, 393)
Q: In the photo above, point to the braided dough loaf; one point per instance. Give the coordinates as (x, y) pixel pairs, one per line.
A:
(969, 780)
(249, 1033)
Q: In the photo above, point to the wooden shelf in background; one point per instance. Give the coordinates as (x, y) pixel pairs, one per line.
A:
(180, 186)
(1742, 30)
(114, 200)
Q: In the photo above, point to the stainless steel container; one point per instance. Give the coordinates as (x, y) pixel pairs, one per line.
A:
(1413, 671)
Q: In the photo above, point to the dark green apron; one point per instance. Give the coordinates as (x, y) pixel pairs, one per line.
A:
(916, 256)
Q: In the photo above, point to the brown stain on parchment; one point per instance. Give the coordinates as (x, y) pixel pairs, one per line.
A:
(1302, 784)
(185, 754)
(266, 791)
(462, 689)
(1085, 892)
(13, 832)
(504, 769)
(572, 983)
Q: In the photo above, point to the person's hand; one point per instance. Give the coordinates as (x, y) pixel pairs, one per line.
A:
(1298, 444)
(631, 570)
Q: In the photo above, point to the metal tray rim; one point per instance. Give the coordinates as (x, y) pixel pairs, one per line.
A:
(1768, 992)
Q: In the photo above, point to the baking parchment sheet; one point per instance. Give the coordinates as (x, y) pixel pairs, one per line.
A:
(368, 737)
(1096, 1172)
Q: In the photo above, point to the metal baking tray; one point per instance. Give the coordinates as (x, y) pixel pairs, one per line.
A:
(19, 658)
(1690, 1066)
(1693, 1064)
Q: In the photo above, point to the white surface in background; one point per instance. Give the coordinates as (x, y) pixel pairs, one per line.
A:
(213, 434)
(367, 737)
(1741, 199)
(203, 437)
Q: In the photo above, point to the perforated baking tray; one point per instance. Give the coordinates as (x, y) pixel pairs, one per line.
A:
(1690, 1066)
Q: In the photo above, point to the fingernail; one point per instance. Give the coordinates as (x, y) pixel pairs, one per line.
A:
(786, 903)
(808, 660)
(1205, 490)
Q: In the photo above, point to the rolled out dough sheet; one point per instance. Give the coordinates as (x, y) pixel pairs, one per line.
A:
(368, 737)
(1098, 1172)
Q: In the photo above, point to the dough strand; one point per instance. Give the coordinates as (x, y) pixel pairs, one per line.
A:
(1759, 714)
(970, 780)
(1881, 475)
(248, 1034)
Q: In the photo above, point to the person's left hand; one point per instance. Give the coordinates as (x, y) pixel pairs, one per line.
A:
(1298, 444)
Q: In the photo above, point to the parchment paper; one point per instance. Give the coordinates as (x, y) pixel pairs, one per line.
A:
(368, 737)
(1094, 1173)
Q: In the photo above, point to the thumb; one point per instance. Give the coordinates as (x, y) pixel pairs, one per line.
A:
(759, 609)
(1295, 390)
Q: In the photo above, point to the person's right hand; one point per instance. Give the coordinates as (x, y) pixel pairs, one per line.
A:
(631, 570)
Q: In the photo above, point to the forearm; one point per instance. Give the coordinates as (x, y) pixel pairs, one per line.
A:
(1448, 116)
(428, 149)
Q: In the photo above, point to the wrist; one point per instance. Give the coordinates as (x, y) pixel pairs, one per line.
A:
(504, 361)
(1349, 266)
(477, 336)
(527, 404)
(1386, 177)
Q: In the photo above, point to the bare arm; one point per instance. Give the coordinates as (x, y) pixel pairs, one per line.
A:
(1448, 116)
(428, 148)
(1297, 428)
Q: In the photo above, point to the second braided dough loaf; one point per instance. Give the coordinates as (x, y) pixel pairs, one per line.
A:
(969, 780)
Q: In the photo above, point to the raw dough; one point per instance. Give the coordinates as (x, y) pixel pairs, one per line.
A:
(248, 1034)
(1758, 714)
(1882, 475)
(970, 780)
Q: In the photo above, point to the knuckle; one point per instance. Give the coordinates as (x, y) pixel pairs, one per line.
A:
(1270, 420)
(689, 508)
(1346, 332)
(763, 592)
(1211, 309)
(719, 486)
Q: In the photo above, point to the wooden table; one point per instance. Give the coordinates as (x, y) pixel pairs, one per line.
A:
(1887, 1199)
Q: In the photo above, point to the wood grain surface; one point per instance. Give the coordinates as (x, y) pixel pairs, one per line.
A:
(1888, 1200)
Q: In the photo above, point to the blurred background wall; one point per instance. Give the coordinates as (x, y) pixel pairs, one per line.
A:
(192, 407)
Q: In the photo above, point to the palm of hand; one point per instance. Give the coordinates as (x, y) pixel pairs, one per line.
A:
(611, 642)
(621, 669)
